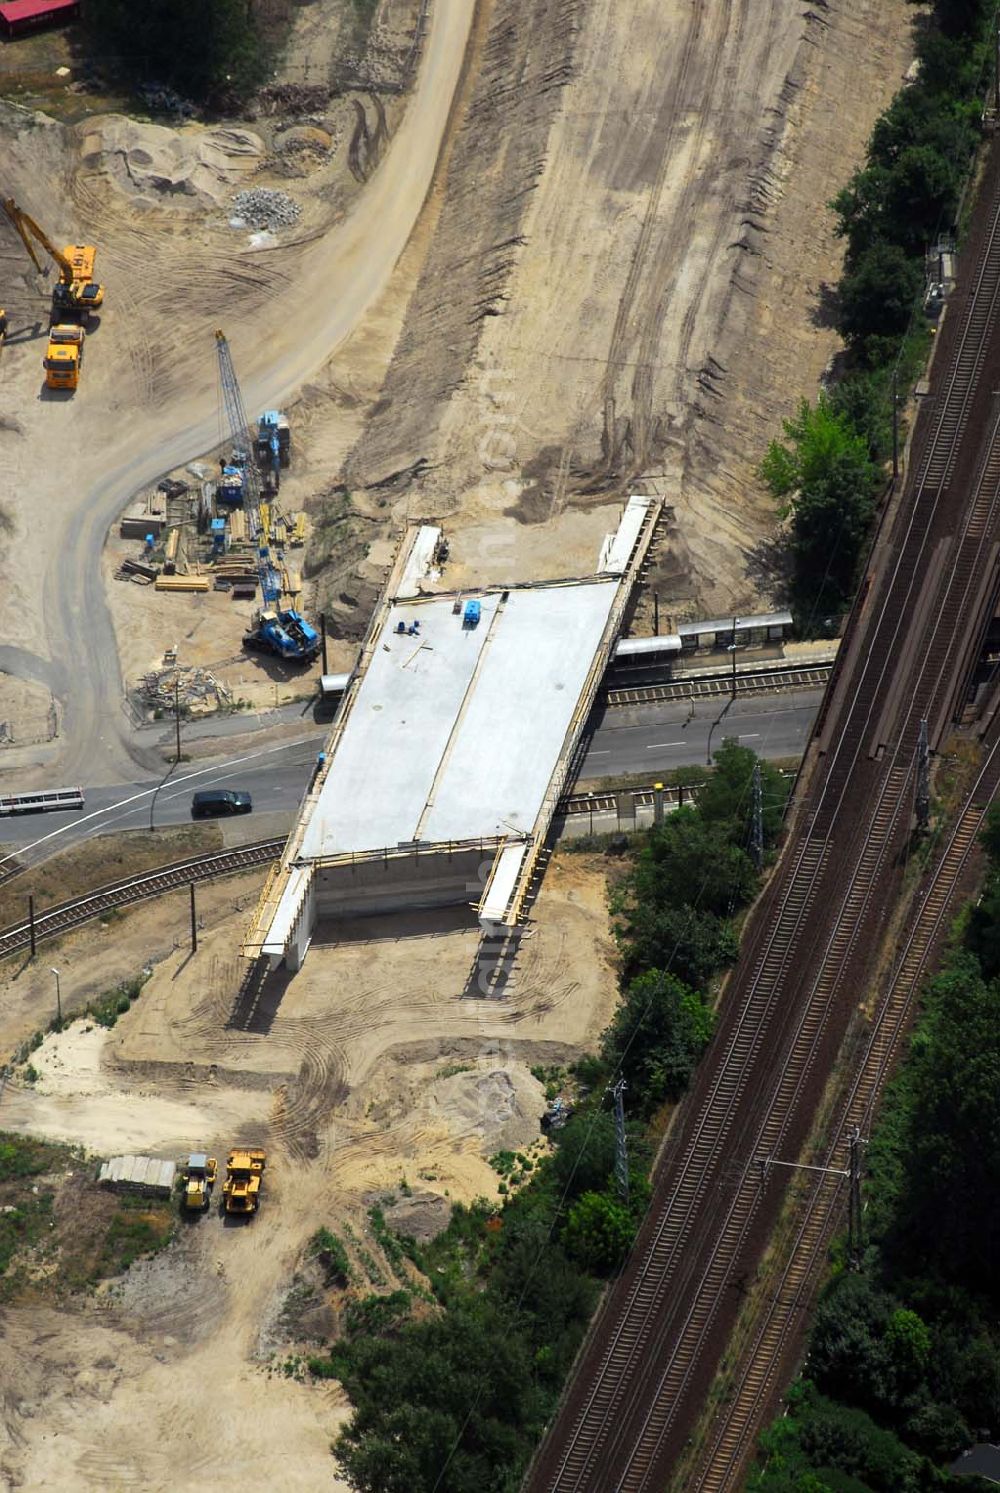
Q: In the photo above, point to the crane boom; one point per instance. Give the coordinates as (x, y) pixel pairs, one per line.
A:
(284, 632)
(242, 437)
(28, 229)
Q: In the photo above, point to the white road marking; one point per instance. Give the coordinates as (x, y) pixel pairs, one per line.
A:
(217, 768)
(658, 744)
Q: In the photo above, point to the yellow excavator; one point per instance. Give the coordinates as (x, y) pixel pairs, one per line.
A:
(76, 295)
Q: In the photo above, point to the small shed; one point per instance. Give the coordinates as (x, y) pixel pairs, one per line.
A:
(146, 1174)
(17, 17)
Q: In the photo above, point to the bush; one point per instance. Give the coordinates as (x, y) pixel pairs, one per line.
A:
(878, 294)
(598, 1232)
(332, 1255)
(656, 1037)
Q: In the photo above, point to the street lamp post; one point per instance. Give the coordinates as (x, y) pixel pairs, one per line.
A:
(58, 996)
(177, 753)
(733, 651)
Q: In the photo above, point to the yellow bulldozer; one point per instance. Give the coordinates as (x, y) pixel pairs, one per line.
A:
(244, 1171)
(199, 1179)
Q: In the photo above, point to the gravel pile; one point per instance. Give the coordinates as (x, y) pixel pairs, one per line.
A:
(263, 207)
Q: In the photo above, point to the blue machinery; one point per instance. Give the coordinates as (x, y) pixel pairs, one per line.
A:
(285, 633)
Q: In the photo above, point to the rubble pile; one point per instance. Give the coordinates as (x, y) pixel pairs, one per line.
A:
(195, 690)
(285, 98)
(264, 207)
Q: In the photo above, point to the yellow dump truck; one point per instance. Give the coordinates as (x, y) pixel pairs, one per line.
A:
(63, 356)
(199, 1181)
(241, 1189)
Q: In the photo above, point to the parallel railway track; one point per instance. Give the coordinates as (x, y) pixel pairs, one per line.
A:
(791, 1283)
(811, 944)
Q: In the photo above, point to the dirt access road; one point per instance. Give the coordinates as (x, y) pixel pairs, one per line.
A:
(148, 397)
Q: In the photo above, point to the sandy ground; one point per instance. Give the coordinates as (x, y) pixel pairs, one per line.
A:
(368, 1069)
(655, 309)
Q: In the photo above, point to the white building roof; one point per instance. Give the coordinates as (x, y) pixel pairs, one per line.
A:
(455, 732)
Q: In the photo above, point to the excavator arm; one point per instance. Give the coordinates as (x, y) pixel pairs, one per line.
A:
(28, 229)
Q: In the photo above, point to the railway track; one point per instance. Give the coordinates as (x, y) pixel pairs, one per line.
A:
(136, 889)
(811, 943)
(792, 1281)
(78, 910)
(770, 681)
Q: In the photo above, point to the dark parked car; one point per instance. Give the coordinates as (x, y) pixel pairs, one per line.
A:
(215, 801)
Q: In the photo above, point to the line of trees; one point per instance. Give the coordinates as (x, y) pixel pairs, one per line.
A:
(903, 1368)
(829, 467)
(214, 54)
(456, 1396)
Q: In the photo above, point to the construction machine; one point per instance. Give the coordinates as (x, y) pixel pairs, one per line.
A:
(77, 294)
(282, 631)
(199, 1180)
(273, 446)
(63, 356)
(241, 1189)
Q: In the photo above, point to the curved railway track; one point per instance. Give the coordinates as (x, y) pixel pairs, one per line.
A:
(811, 941)
(136, 889)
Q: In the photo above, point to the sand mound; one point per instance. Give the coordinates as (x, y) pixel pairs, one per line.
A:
(150, 162)
(503, 1106)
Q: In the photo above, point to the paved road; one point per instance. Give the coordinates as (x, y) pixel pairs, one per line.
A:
(646, 739)
(652, 739)
(276, 776)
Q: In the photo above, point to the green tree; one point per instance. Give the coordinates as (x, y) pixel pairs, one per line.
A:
(687, 860)
(451, 1403)
(878, 294)
(211, 53)
(863, 398)
(938, 1431)
(656, 1037)
(598, 1232)
(817, 440)
(949, 1212)
(692, 945)
(585, 1153)
(544, 1293)
(726, 797)
(848, 1358)
(850, 1441)
(824, 471)
(907, 1346)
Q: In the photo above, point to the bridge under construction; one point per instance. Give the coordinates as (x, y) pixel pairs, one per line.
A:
(452, 744)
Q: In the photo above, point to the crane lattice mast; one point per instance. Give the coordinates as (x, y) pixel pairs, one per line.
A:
(242, 437)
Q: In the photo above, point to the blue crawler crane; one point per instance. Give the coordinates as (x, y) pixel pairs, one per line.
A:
(273, 446)
(281, 631)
